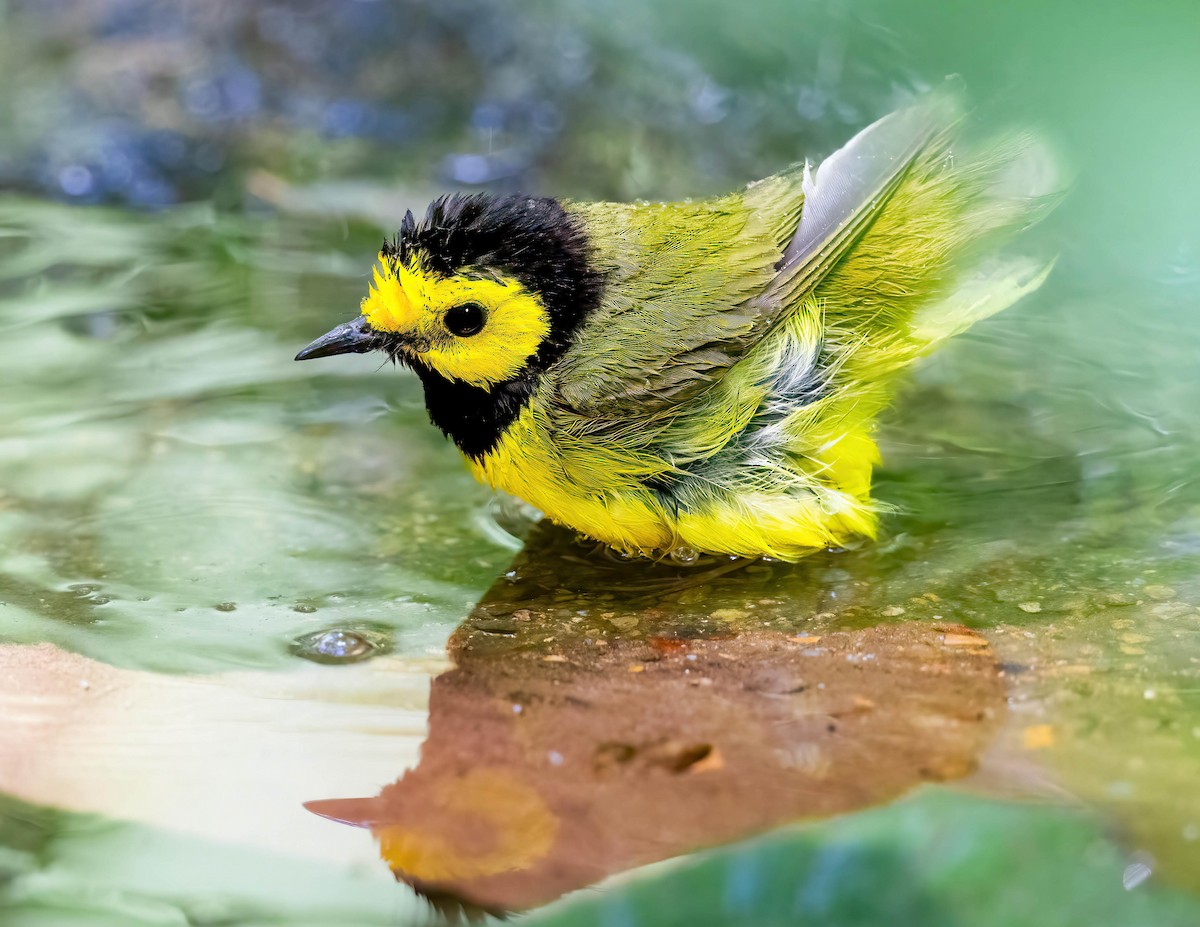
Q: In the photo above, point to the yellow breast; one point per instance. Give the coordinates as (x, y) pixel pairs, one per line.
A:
(585, 486)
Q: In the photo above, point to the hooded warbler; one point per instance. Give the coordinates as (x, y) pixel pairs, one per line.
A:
(704, 377)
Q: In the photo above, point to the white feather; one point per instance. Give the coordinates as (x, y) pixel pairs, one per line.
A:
(855, 180)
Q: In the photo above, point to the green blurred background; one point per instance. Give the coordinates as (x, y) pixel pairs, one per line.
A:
(190, 191)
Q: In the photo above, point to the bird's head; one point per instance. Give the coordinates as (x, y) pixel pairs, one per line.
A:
(484, 291)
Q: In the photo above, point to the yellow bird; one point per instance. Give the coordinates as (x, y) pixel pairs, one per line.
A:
(704, 377)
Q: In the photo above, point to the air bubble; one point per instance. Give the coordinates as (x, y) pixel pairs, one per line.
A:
(685, 555)
(338, 645)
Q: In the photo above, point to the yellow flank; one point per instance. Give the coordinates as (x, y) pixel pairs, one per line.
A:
(589, 484)
(414, 301)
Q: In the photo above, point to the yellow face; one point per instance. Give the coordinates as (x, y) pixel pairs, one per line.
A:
(481, 329)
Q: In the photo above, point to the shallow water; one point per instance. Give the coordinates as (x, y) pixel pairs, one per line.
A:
(991, 716)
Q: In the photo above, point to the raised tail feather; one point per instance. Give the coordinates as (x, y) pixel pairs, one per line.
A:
(901, 237)
(900, 246)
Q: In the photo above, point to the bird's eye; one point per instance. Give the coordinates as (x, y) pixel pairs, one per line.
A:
(465, 320)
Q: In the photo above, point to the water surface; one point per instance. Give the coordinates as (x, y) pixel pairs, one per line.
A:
(991, 716)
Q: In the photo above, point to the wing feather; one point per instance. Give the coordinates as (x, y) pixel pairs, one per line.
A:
(692, 287)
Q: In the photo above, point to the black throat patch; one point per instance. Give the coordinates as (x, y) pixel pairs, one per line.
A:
(538, 243)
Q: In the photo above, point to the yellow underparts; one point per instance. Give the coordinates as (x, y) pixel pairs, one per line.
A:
(599, 492)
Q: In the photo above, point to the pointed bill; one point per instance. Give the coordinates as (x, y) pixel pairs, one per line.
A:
(354, 337)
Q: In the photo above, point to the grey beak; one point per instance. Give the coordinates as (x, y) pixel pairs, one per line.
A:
(351, 338)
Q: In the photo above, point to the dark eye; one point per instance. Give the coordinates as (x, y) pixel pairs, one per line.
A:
(466, 320)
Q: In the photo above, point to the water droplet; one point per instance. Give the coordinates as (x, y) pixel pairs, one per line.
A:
(338, 645)
(76, 180)
(1136, 873)
(514, 517)
(226, 606)
(304, 609)
(685, 555)
(621, 556)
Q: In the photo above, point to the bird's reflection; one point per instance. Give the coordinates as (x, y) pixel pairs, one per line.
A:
(583, 732)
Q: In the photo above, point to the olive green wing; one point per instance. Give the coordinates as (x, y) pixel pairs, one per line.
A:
(692, 286)
(682, 281)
